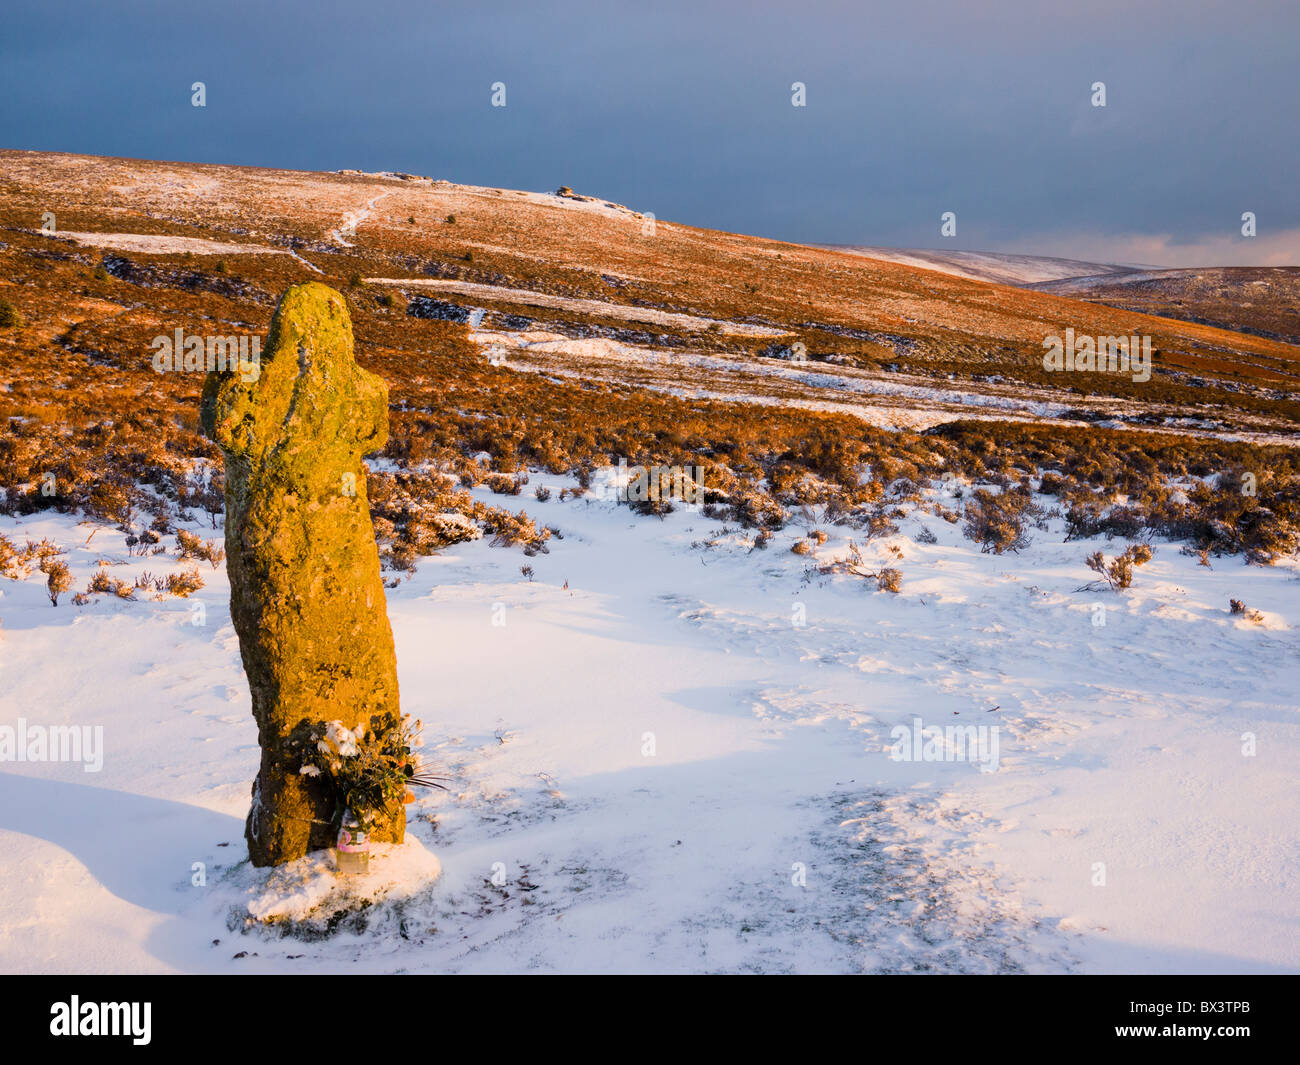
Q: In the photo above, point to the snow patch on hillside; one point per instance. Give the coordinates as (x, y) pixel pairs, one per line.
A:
(163, 244)
(997, 267)
(599, 308)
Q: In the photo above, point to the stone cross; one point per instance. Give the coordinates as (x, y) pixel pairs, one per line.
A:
(306, 595)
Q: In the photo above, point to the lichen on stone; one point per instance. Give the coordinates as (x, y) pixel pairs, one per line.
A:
(306, 595)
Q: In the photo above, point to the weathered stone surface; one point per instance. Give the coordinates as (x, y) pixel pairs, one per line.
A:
(306, 595)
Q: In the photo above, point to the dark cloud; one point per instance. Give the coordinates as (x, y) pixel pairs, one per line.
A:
(684, 109)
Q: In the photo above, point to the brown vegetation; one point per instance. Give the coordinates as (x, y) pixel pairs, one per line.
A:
(91, 428)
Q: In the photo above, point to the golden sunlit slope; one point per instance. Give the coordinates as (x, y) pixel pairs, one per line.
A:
(876, 317)
(562, 332)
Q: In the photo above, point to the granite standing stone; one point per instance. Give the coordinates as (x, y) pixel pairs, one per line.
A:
(306, 595)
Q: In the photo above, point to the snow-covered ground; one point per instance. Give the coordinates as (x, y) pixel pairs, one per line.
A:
(629, 312)
(162, 244)
(671, 752)
(889, 400)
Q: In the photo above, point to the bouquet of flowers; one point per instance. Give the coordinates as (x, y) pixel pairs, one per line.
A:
(370, 767)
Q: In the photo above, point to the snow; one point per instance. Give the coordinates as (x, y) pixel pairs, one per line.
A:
(997, 267)
(163, 244)
(850, 380)
(310, 890)
(892, 401)
(655, 767)
(578, 202)
(352, 219)
(578, 306)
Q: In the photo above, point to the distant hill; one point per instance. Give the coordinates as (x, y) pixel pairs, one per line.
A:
(991, 266)
(1261, 301)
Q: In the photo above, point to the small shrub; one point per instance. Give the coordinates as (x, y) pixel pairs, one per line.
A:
(656, 507)
(142, 544)
(997, 522)
(1118, 572)
(505, 484)
(1237, 607)
(1052, 483)
(9, 316)
(192, 546)
(111, 500)
(889, 580)
(102, 584)
(59, 580)
(10, 558)
(1141, 553)
(44, 553)
(185, 583)
(509, 529)
(542, 493)
(751, 508)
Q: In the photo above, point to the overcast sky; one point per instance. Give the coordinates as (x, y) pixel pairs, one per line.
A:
(684, 109)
